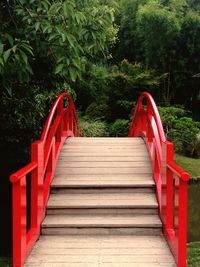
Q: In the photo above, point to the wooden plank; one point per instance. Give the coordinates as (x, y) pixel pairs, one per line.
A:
(162, 258)
(103, 139)
(104, 170)
(102, 181)
(106, 177)
(137, 200)
(139, 220)
(104, 251)
(112, 164)
(103, 211)
(101, 148)
(97, 264)
(95, 251)
(107, 241)
(103, 154)
(83, 158)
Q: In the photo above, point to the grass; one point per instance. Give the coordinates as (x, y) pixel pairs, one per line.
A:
(192, 166)
(194, 254)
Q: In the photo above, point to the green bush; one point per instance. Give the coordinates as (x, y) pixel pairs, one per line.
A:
(91, 128)
(119, 128)
(184, 135)
(182, 130)
(97, 111)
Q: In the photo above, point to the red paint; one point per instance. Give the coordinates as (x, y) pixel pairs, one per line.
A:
(171, 181)
(61, 123)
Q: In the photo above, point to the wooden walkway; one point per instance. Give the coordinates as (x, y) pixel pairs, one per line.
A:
(102, 211)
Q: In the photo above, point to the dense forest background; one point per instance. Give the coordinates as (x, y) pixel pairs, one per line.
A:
(105, 53)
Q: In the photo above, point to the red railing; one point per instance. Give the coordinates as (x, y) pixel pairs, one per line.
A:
(61, 123)
(171, 181)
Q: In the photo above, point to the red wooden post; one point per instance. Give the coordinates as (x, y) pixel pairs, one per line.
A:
(182, 227)
(37, 183)
(19, 222)
(169, 192)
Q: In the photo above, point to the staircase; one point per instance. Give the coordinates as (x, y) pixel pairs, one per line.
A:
(102, 210)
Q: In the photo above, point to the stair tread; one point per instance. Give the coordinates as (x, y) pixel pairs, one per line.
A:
(102, 181)
(139, 220)
(100, 200)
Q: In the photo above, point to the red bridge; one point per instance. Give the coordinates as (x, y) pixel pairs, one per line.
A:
(110, 202)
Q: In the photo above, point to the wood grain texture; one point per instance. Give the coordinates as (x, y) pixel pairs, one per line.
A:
(100, 251)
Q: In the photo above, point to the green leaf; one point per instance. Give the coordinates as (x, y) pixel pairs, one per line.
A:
(10, 39)
(28, 48)
(37, 25)
(1, 62)
(70, 39)
(28, 68)
(52, 36)
(1, 49)
(63, 37)
(24, 56)
(59, 68)
(65, 9)
(14, 48)
(6, 55)
(73, 74)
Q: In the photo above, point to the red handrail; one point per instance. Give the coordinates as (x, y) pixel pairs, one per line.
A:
(61, 123)
(171, 181)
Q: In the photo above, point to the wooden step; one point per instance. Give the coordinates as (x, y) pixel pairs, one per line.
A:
(102, 164)
(106, 181)
(100, 250)
(97, 221)
(101, 183)
(103, 170)
(104, 139)
(102, 200)
(132, 158)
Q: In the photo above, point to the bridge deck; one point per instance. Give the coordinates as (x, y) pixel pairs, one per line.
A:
(101, 251)
(102, 211)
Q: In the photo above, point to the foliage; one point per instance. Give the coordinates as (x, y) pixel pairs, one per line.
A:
(93, 86)
(125, 82)
(92, 128)
(182, 130)
(71, 32)
(23, 116)
(184, 136)
(119, 128)
(97, 111)
(5, 262)
(165, 36)
(57, 38)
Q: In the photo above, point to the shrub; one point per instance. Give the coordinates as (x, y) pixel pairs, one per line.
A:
(182, 130)
(91, 128)
(119, 128)
(184, 135)
(97, 111)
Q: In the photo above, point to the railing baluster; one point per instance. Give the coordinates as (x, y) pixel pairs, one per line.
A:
(182, 223)
(37, 184)
(19, 222)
